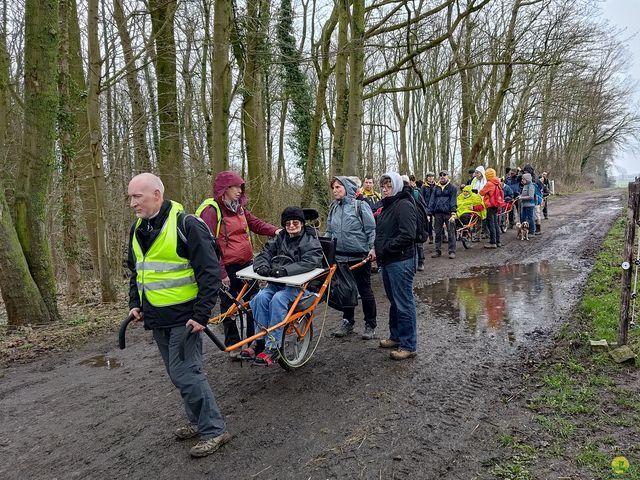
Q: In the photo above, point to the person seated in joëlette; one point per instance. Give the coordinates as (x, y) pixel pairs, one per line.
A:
(294, 251)
(469, 203)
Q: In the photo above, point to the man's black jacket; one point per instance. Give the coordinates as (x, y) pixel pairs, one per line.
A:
(199, 249)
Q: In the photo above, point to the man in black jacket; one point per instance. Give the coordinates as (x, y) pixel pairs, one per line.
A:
(427, 190)
(443, 205)
(175, 278)
(395, 246)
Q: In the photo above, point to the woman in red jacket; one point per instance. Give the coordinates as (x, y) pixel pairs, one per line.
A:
(230, 222)
(493, 198)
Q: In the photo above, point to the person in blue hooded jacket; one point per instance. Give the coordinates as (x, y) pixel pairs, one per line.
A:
(352, 224)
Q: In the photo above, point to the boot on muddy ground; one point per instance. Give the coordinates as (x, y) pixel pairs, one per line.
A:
(402, 354)
(388, 343)
(210, 445)
(186, 432)
(345, 329)
(369, 333)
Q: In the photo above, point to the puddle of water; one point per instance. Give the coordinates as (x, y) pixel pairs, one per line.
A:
(512, 299)
(102, 361)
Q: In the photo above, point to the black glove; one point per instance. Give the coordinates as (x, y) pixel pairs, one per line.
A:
(279, 272)
(263, 270)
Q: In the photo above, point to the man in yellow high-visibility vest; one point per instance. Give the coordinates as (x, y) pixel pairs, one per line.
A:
(175, 278)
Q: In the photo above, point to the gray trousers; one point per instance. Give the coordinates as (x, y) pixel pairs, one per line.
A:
(188, 377)
(441, 221)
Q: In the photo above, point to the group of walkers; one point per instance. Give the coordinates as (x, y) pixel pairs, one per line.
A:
(180, 263)
(486, 196)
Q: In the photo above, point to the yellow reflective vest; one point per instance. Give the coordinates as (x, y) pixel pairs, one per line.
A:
(210, 202)
(164, 277)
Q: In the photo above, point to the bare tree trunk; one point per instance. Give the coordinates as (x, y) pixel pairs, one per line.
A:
(20, 294)
(402, 116)
(281, 174)
(93, 115)
(466, 103)
(40, 110)
(81, 141)
(316, 123)
(138, 114)
(153, 106)
(170, 160)
(221, 83)
(111, 145)
(200, 187)
(342, 91)
(353, 136)
(66, 130)
(496, 104)
(252, 106)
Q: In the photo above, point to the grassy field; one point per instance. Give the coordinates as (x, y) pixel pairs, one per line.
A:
(583, 407)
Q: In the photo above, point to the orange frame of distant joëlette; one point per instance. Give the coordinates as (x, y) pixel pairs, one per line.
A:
(508, 207)
(465, 232)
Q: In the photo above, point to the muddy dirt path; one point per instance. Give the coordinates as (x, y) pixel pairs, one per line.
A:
(351, 412)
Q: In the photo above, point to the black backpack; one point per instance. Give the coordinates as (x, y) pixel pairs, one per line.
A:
(421, 223)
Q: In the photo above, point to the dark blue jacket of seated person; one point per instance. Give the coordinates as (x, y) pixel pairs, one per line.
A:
(296, 255)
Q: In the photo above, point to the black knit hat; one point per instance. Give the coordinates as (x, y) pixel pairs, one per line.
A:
(291, 213)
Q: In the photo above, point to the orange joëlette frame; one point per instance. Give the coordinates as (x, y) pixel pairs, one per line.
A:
(509, 207)
(473, 221)
(291, 317)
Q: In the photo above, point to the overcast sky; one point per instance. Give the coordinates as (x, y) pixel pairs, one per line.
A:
(626, 14)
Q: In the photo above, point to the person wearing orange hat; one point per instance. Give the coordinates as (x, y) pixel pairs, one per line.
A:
(493, 198)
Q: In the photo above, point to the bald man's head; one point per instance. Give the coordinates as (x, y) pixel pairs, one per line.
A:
(146, 194)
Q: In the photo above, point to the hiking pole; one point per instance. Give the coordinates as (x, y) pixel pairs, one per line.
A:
(121, 334)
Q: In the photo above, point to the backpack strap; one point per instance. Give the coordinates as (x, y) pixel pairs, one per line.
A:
(357, 206)
(210, 202)
(182, 220)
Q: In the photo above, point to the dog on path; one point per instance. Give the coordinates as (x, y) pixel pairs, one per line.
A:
(522, 230)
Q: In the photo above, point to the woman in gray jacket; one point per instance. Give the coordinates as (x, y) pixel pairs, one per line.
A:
(351, 223)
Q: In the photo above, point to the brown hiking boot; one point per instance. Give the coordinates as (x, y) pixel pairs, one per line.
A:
(388, 343)
(186, 432)
(402, 354)
(210, 445)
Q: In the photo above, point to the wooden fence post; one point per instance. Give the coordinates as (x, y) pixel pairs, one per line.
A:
(628, 262)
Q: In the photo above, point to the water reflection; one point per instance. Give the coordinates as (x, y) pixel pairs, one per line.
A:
(511, 299)
(101, 361)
